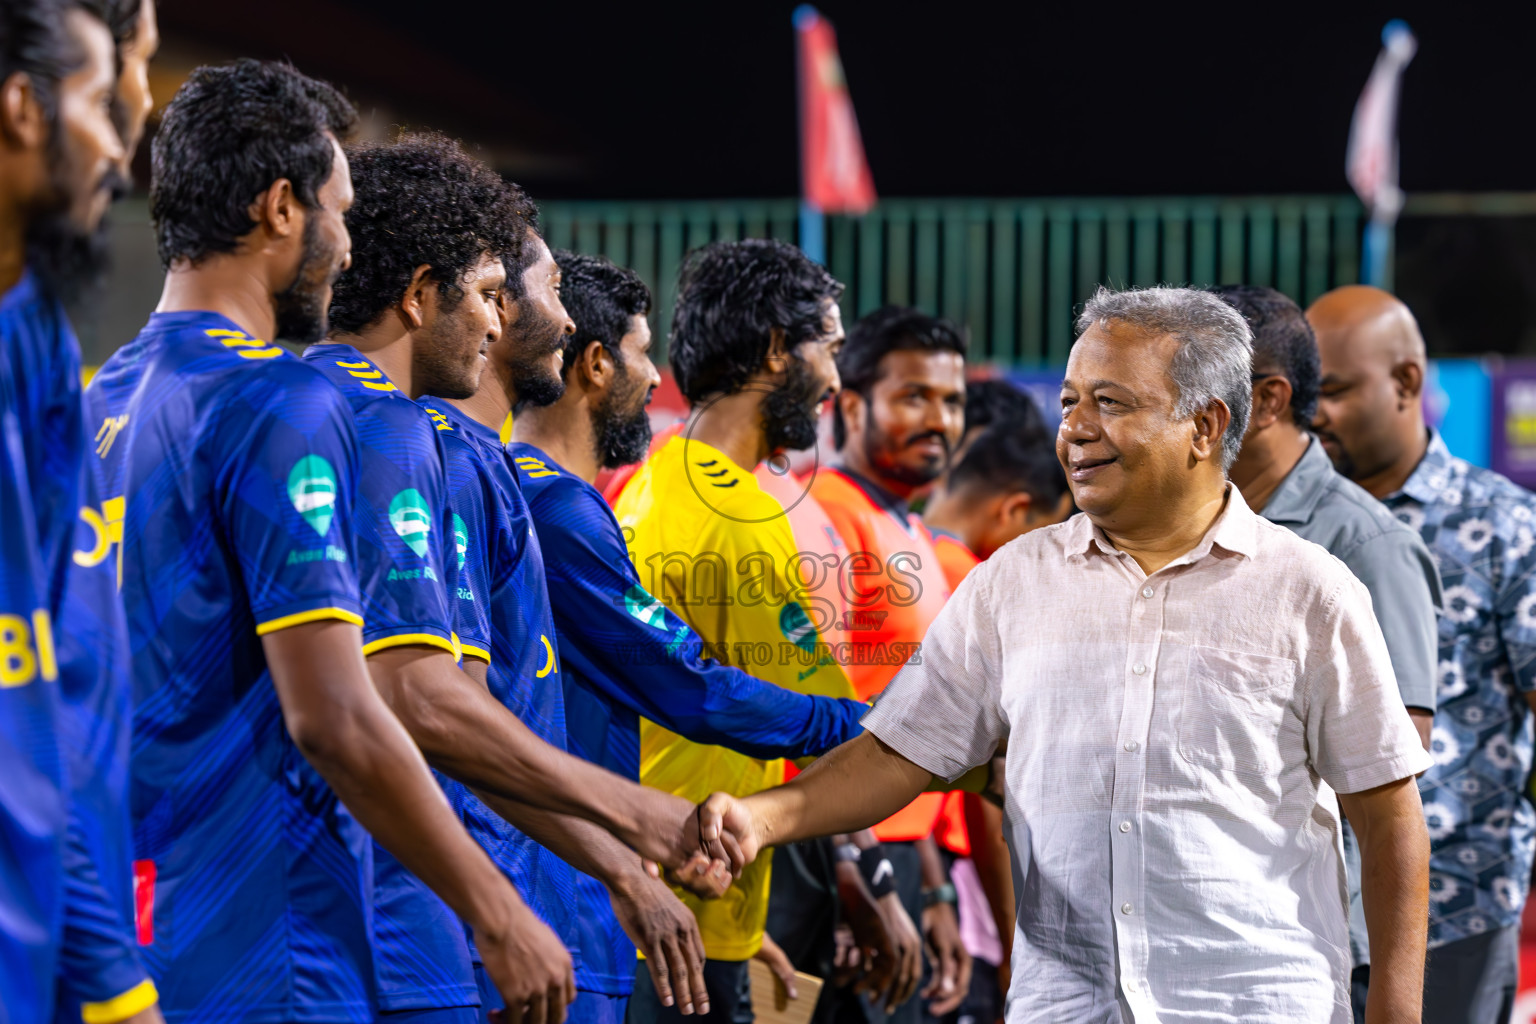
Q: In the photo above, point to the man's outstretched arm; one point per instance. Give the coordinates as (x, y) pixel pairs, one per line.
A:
(340, 724)
(856, 786)
(465, 732)
(1394, 882)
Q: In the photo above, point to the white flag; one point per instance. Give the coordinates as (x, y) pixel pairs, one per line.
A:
(1371, 161)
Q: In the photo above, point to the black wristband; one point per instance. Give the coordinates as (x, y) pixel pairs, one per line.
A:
(878, 873)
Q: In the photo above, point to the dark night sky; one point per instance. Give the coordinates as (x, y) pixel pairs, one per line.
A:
(697, 99)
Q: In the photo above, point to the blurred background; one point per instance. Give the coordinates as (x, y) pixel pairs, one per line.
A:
(1022, 155)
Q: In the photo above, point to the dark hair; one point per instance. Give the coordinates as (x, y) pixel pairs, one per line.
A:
(121, 16)
(996, 401)
(1005, 459)
(601, 297)
(731, 296)
(1282, 340)
(34, 42)
(518, 263)
(229, 133)
(421, 200)
(886, 330)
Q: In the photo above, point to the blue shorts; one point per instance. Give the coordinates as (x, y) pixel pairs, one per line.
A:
(589, 1007)
(439, 1015)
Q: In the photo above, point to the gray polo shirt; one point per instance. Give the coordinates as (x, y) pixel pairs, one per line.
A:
(1316, 503)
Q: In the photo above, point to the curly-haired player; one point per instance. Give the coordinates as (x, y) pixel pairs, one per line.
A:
(447, 564)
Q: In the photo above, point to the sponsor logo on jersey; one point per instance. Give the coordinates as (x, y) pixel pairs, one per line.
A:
(797, 627)
(312, 489)
(460, 538)
(639, 603)
(412, 520)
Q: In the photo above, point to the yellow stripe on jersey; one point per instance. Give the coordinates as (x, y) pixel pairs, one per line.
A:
(314, 615)
(408, 639)
(136, 1000)
(473, 651)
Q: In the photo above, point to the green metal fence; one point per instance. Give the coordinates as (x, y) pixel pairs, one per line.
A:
(1011, 270)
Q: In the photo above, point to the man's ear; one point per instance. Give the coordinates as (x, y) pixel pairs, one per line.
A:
(851, 404)
(278, 210)
(777, 359)
(1014, 509)
(21, 114)
(1409, 378)
(413, 306)
(1271, 397)
(597, 365)
(1210, 423)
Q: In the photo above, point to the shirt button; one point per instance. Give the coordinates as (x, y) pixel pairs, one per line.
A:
(1139, 669)
(1125, 826)
(1125, 908)
(1146, 591)
(1132, 746)
(1130, 985)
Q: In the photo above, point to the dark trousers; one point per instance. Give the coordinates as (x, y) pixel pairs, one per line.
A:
(1470, 981)
(730, 997)
(1473, 981)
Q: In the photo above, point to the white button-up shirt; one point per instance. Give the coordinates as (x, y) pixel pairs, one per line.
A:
(1171, 743)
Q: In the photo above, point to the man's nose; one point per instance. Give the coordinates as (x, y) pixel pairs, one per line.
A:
(1078, 424)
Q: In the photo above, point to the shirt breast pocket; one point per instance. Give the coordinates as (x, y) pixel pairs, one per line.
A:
(1234, 711)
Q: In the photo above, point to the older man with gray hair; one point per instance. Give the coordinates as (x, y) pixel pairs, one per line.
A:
(1180, 685)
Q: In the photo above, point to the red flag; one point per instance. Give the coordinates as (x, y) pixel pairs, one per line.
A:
(834, 175)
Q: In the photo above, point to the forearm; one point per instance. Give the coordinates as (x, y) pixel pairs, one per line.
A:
(856, 786)
(465, 733)
(930, 863)
(377, 772)
(586, 847)
(1394, 857)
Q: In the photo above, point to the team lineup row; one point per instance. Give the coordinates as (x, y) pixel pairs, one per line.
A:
(278, 562)
(331, 679)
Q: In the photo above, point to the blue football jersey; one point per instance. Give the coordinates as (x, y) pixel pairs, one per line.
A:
(101, 971)
(33, 798)
(239, 467)
(406, 561)
(524, 669)
(624, 654)
(99, 965)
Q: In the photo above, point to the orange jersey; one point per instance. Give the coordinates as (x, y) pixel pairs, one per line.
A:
(894, 584)
(955, 558)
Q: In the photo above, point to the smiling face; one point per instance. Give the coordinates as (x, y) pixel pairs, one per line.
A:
(792, 409)
(534, 328)
(1128, 458)
(914, 417)
(457, 331)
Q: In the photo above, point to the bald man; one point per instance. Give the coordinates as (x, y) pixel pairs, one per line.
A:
(1481, 529)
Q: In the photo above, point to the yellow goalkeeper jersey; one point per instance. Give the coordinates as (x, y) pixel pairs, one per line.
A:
(720, 553)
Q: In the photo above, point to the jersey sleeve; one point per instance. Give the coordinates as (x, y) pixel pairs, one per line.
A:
(400, 521)
(101, 974)
(99, 965)
(621, 640)
(469, 516)
(286, 500)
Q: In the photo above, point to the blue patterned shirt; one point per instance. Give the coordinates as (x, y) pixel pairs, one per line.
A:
(1482, 828)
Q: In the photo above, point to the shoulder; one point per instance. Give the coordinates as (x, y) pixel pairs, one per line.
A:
(1355, 519)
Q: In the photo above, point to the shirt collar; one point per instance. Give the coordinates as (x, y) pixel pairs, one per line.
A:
(1235, 530)
(1296, 498)
(1432, 475)
(879, 495)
